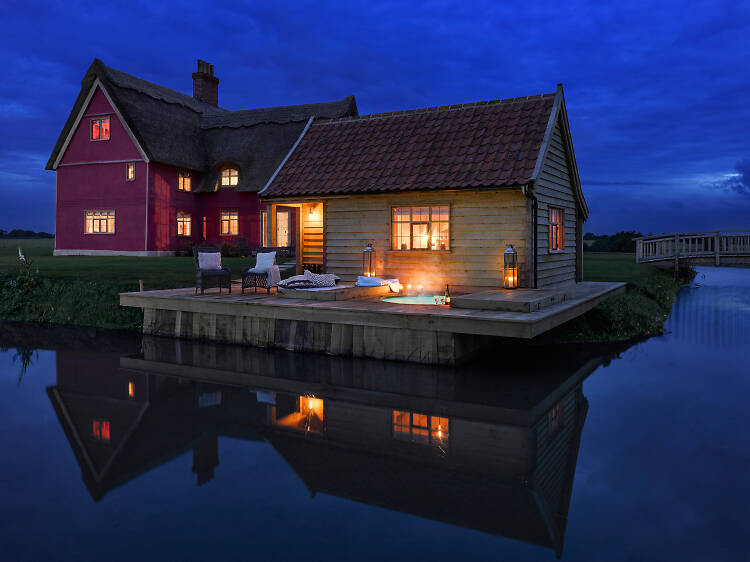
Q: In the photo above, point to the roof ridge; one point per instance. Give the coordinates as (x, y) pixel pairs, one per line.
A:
(185, 100)
(291, 106)
(435, 109)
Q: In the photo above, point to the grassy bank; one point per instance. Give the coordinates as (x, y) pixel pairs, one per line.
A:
(83, 291)
(638, 313)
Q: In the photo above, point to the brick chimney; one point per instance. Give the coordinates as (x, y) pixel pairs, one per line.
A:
(205, 84)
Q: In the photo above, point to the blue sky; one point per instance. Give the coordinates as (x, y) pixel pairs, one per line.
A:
(658, 93)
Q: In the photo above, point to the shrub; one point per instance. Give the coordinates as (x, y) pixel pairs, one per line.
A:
(229, 250)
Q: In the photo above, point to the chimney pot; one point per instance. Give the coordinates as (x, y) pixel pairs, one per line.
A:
(205, 84)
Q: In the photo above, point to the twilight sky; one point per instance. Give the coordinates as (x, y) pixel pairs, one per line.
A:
(658, 93)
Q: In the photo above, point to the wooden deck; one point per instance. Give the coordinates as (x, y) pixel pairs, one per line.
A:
(365, 327)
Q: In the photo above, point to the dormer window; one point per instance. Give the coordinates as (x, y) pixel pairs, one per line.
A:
(183, 181)
(100, 129)
(229, 177)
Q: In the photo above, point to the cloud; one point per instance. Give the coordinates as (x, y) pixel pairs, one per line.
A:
(738, 182)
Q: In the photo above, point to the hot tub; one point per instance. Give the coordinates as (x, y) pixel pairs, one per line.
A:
(415, 299)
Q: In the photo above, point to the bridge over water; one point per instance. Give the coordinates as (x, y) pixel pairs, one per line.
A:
(719, 247)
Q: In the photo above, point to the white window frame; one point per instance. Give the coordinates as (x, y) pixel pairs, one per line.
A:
(181, 177)
(128, 167)
(106, 214)
(429, 222)
(184, 218)
(229, 222)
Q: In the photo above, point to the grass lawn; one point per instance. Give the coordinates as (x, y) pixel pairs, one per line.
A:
(156, 273)
(83, 290)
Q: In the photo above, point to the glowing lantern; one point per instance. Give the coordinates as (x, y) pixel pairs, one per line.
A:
(368, 261)
(510, 268)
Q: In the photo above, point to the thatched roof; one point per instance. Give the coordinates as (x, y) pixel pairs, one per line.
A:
(176, 129)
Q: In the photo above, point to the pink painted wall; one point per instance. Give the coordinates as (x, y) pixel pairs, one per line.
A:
(118, 147)
(100, 186)
(211, 205)
(165, 201)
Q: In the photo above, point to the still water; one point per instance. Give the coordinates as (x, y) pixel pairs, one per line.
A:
(122, 449)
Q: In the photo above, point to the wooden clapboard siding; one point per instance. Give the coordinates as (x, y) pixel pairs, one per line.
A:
(553, 188)
(482, 224)
(312, 233)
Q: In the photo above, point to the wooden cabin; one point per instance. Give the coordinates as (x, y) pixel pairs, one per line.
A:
(439, 193)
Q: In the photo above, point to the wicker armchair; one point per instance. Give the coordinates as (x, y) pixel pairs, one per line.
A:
(264, 279)
(205, 278)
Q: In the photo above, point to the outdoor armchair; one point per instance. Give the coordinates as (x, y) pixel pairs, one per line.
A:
(208, 269)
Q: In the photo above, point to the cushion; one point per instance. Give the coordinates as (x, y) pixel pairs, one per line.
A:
(285, 282)
(209, 260)
(264, 261)
(300, 284)
(321, 279)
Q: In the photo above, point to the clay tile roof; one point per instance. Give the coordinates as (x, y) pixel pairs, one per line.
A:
(484, 144)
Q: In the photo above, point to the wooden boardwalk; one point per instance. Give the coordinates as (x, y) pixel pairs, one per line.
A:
(720, 247)
(365, 327)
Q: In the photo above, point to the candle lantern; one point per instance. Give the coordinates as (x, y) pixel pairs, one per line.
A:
(368, 261)
(510, 268)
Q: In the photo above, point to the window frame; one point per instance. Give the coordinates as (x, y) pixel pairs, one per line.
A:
(183, 215)
(108, 119)
(230, 169)
(429, 224)
(431, 438)
(560, 225)
(181, 177)
(100, 211)
(127, 171)
(221, 222)
(263, 228)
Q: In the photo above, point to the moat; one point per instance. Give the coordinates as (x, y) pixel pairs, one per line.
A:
(120, 447)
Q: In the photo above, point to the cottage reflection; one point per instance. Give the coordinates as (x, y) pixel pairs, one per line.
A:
(381, 433)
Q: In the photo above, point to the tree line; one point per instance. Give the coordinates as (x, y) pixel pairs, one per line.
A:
(621, 242)
(21, 233)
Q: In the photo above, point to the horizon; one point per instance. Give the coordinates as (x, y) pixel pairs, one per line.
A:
(654, 98)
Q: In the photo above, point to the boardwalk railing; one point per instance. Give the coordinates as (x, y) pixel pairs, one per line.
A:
(718, 243)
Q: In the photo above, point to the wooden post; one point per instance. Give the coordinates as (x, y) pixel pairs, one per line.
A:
(638, 251)
(716, 248)
(270, 223)
(676, 255)
(140, 285)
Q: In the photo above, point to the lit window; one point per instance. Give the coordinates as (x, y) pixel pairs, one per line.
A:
(230, 223)
(420, 228)
(183, 181)
(100, 128)
(420, 428)
(183, 224)
(303, 413)
(264, 228)
(100, 222)
(100, 430)
(130, 171)
(131, 389)
(556, 229)
(229, 177)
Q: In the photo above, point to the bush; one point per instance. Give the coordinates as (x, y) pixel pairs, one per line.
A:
(229, 250)
(620, 242)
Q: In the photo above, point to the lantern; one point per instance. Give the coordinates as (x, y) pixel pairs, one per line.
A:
(368, 261)
(510, 268)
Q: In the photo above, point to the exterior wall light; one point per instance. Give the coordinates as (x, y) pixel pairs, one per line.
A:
(510, 268)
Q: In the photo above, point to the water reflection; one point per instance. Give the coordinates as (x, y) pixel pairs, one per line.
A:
(714, 314)
(470, 448)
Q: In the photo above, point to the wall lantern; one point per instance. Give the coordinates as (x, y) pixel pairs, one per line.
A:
(510, 268)
(368, 261)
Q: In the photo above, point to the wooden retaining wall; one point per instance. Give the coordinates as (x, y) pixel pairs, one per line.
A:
(421, 346)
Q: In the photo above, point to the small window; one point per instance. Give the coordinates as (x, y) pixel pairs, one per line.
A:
(100, 222)
(230, 223)
(183, 181)
(229, 177)
(100, 430)
(421, 228)
(100, 128)
(556, 229)
(184, 224)
(130, 171)
(131, 389)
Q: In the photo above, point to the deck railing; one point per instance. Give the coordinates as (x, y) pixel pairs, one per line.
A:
(692, 245)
